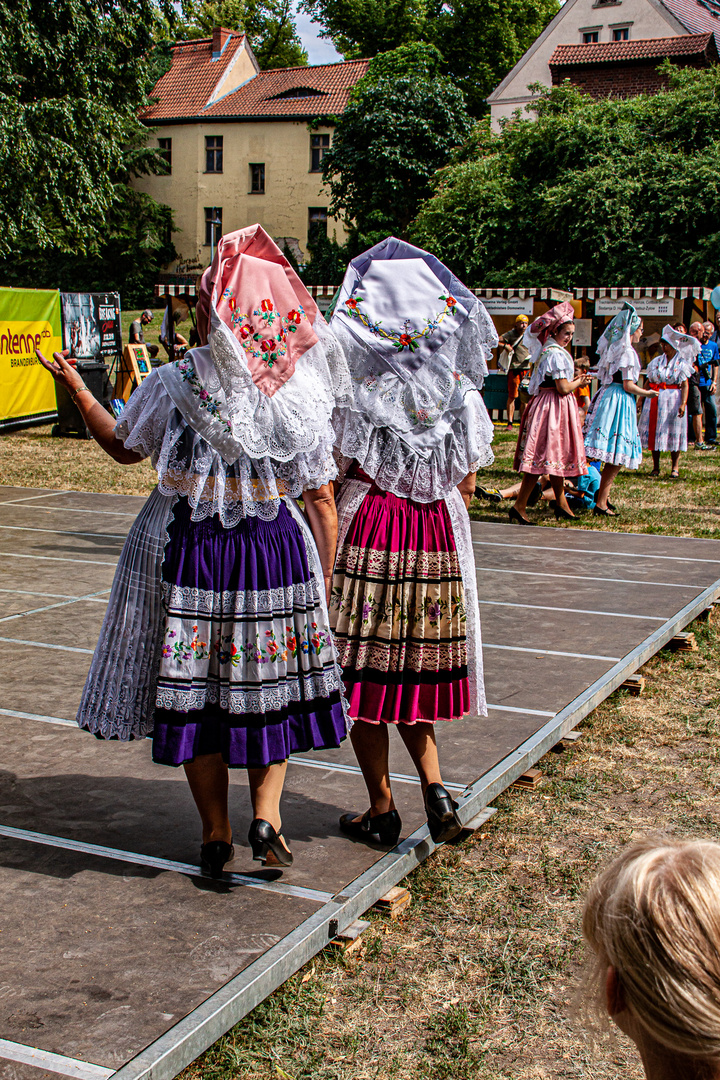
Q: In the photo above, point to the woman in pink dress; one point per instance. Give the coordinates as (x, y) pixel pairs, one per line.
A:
(550, 439)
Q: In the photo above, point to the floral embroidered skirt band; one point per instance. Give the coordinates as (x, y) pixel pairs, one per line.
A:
(247, 667)
(398, 613)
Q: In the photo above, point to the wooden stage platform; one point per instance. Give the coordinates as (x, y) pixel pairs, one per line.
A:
(119, 957)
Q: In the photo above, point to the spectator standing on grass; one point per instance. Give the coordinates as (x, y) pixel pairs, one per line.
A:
(611, 430)
(550, 439)
(582, 394)
(708, 364)
(137, 335)
(663, 426)
(652, 920)
(695, 402)
(216, 640)
(404, 605)
(514, 357)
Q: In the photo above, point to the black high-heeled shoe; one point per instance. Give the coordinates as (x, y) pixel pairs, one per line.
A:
(516, 516)
(263, 840)
(214, 855)
(534, 495)
(561, 512)
(609, 512)
(382, 829)
(443, 821)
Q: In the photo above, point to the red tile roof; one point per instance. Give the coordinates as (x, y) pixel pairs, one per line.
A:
(186, 88)
(616, 52)
(184, 92)
(321, 90)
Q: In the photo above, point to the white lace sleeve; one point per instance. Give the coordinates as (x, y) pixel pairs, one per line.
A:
(559, 364)
(144, 419)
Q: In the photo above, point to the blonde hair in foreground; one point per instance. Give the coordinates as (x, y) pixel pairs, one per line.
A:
(654, 915)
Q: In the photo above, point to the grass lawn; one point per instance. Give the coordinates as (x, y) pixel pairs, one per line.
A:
(476, 981)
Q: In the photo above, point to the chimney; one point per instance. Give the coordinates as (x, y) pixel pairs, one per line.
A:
(219, 40)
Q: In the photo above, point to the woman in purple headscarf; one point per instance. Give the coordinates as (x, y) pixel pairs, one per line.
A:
(216, 640)
(550, 439)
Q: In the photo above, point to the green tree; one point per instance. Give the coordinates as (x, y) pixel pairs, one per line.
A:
(589, 193)
(74, 75)
(480, 40)
(269, 25)
(402, 122)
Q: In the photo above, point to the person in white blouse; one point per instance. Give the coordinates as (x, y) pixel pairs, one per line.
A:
(611, 431)
(550, 439)
(663, 425)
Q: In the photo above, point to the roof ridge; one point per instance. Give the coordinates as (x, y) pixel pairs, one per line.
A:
(313, 67)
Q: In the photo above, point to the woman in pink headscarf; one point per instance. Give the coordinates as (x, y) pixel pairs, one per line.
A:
(550, 439)
(216, 640)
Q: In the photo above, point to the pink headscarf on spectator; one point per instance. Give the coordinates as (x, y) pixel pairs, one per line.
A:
(257, 294)
(546, 326)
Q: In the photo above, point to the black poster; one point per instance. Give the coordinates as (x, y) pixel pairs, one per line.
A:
(91, 324)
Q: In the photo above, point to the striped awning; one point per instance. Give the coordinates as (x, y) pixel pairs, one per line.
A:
(322, 292)
(637, 292)
(175, 290)
(524, 294)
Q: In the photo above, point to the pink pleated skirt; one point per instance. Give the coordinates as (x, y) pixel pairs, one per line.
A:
(397, 612)
(551, 439)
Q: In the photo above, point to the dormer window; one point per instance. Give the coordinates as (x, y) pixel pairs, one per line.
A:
(297, 92)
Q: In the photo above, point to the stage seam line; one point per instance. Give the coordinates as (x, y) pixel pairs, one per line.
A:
(573, 611)
(583, 577)
(51, 607)
(47, 595)
(591, 551)
(66, 532)
(46, 839)
(46, 645)
(58, 1063)
(35, 716)
(354, 770)
(78, 509)
(551, 652)
(30, 498)
(56, 558)
(519, 709)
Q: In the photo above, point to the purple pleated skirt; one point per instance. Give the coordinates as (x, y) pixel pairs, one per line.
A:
(248, 667)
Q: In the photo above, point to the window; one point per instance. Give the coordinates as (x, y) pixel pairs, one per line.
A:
(621, 33)
(317, 222)
(318, 145)
(590, 37)
(165, 146)
(257, 179)
(213, 153)
(213, 220)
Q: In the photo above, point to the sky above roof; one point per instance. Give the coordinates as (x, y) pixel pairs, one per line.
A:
(319, 50)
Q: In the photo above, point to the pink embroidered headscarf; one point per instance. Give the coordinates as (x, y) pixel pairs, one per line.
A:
(258, 295)
(546, 325)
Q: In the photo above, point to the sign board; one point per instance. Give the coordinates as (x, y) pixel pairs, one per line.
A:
(29, 320)
(499, 305)
(91, 324)
(644, 306)
(583, 332)
(134, 367)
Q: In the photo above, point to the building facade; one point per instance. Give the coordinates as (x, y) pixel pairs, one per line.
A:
(629, 24)
(243, 145)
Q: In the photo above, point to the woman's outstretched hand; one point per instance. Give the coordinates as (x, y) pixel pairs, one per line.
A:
(62, 370)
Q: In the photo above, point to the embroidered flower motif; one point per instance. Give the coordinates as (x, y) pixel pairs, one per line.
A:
(408, 337)
(257, 343)
(186, 369)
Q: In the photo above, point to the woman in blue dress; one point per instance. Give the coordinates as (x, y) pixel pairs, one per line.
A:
(611, 430)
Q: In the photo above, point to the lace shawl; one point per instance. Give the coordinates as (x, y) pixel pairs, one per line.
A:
(619, 356)
(554, 362)
(188, 465)
(673, 372)
(418, 436)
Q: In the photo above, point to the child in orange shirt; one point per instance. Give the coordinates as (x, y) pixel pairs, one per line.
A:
(582, 394)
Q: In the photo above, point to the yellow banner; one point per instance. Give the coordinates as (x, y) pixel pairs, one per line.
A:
(29, 320)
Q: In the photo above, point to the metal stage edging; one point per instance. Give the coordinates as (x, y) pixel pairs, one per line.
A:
(196, 1032)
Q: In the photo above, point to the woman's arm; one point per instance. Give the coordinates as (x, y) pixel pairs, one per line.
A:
(466, 487)
(565, 386)
(631, 387)
(98, 420)
(321, 513)
(684, 391)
